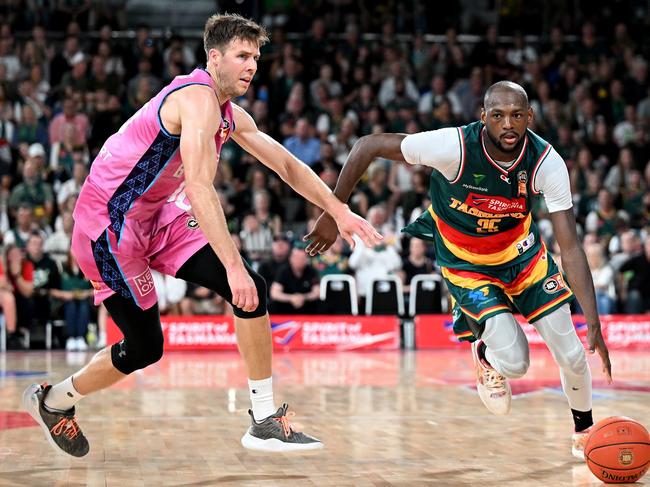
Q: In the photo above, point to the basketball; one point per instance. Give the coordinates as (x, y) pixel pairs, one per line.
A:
(618, 450)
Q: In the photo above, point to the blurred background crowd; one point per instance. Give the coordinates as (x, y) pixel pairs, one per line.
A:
(72, 71)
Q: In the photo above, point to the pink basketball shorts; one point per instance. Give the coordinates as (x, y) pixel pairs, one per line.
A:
(124, 266)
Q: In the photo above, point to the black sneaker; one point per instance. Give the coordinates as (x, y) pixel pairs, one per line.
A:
(60, 428)
(277, 434)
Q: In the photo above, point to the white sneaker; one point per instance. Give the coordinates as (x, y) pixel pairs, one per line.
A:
(578, 442)
(71, 344)
(82, 346)
(493, 388)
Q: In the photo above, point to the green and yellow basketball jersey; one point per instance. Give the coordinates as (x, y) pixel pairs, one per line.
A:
(482, 217)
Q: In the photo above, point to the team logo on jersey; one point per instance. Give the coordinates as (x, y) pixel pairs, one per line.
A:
(505, 178)
(478, 178)
(144, 283)
(553, 284)
(522, 179)
(225, 128)
(192, 224)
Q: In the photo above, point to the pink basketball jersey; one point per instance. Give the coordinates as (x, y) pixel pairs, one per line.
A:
(139, 168)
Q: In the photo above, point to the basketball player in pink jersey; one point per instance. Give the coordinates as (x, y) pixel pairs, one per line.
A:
(130, 218)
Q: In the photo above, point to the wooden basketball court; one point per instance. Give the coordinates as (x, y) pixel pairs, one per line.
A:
(387, 418)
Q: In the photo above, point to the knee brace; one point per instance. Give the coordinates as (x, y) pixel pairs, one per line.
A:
(513, 365)
(260, 285)
(507, 347)
(560, 336)
(573, 361)
(134, 354)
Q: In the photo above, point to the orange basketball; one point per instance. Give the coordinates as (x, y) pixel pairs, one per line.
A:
(618, 450)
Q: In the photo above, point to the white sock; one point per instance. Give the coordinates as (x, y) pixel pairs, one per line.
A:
(62, 396)
(261, 392)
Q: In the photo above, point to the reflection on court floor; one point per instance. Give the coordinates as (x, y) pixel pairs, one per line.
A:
(387, 418)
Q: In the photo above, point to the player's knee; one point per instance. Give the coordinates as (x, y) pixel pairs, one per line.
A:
(515, 370)
(135, 355)
(574, 361)
(514, 364)
(260, 285)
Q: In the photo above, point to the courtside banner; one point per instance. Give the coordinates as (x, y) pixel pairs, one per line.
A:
(622, 332)
(313, 332)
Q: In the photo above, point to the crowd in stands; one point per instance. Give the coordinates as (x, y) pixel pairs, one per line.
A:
(67, 82)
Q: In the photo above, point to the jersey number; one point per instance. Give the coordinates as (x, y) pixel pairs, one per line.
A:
(488, 225)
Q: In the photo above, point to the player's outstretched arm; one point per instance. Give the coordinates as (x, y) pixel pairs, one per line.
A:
(574, 262)
(199, 116)
(364, 151)
(300, 177)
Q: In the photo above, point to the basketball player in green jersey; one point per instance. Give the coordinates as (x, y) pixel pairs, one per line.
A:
(489, 249)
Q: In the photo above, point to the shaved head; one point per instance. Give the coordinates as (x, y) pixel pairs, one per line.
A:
(506, 114)
(496, 93)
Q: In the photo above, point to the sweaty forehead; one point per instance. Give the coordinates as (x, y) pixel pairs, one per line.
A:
(506, 100)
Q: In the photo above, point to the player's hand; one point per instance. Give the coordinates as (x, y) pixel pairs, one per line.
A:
(351, 224)
(322, 236)
(596, 343)
(244, 292)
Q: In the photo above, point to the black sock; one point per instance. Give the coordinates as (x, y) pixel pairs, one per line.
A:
(582, 420)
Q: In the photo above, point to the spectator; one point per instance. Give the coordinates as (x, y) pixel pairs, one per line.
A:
(630, 246)
(47, 278)
(256, 238)
(171, 292)
(343, 141)
(30, 130)
(24, 226)
(8, 307)
(33, 191)
(415, 263)
(334, 261)
(303, 144)
(636, 276)
(376, 190)
(57, 245)
(373, 263)
(603, 277)
(77, 78)
(136, 86)
(202, 301)
(76, 292)
(20, 273)
(388, 89)
(295, 288)
(326, 80)
(280, 250)
(62, 158)
(70, 116)
(604, 220)
(62, 62)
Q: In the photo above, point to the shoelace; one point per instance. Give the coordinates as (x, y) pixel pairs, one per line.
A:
(287, 427)
(69, 425)
(493, 380)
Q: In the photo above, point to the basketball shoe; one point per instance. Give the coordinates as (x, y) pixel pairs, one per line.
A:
(60, 427)
(578, 443)
(277, 434)
(493, 388)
